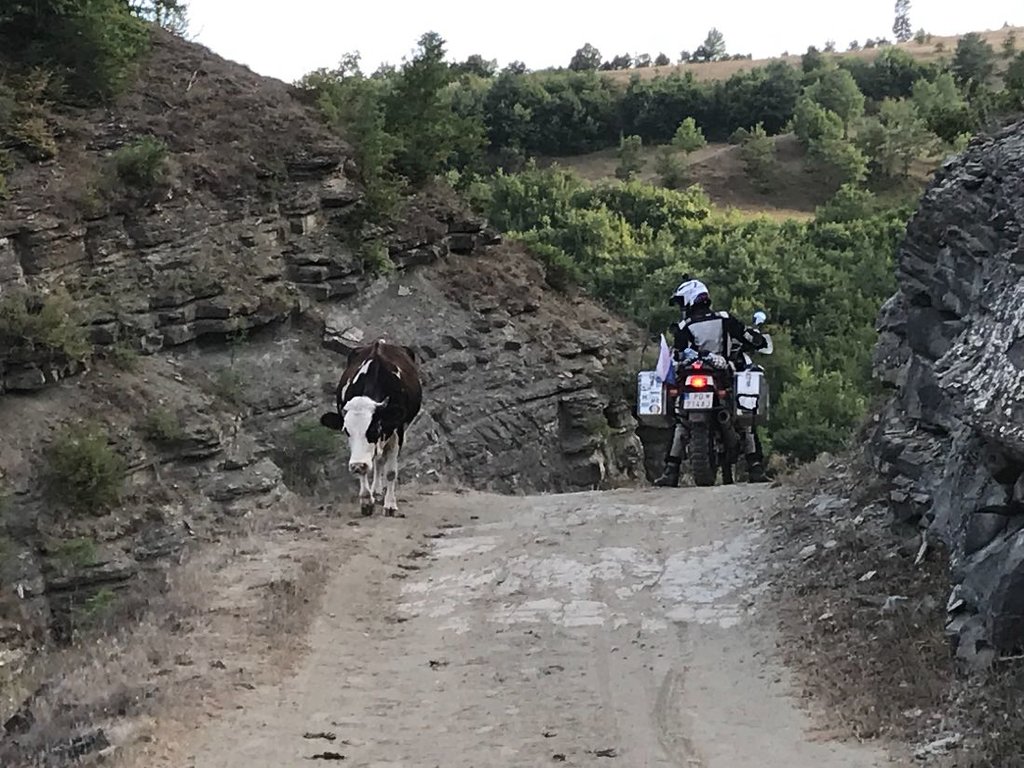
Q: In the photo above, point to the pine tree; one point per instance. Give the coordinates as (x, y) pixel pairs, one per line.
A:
(901, 27)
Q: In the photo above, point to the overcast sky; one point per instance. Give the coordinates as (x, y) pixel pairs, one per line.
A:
(288, 39)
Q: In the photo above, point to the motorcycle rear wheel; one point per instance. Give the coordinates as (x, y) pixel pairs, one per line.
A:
(702, 454)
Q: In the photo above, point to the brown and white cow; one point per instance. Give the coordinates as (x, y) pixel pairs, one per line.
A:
(378, 397)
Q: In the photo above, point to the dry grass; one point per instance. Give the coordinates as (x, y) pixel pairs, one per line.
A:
(230, 618)
(871, 649)
(718, 169)
(937, 49)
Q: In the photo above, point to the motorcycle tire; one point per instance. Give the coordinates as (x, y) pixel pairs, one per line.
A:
(702, 454)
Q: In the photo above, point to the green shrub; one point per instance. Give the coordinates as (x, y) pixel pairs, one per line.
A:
(375, 258)
(124, 356)
(85, 473)
(92, 45)
(76, 553)
(227, 384)
(142, 165)
(305, 451)
(31, 321)
(631, 159)
(163, 427)
(758, 155)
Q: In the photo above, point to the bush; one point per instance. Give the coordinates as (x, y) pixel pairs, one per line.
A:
(227, 384)
(75, 553)
(758, 154)
(142, 165)
(92, 45)
(305, 451)
(670, 168)
(85, 473)
(631, 160)
(375, 258)
(163, 427)
(45, 323)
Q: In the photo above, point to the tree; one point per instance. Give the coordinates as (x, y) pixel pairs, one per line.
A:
(631, 160)
(813, 122)
(921, 37)
(475, 64)
(662, 60)
(91, 46)
(586, 59)
(622, 61)
(853, 46)
(515, 68)
(172, 15)
(901, 26)
(685, 56)
(1010, 44)
(758, 155)
(894, 139)
(420, 114)
(830, 46)
(689, 137)
(1014, 79)
(713, 48)
(973, 62)
(643, 61)
(837, 91)
(670, 168)
(943, 107)
(812, 60)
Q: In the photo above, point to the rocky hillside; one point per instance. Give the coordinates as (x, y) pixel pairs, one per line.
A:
(192, 313)
(952, 347)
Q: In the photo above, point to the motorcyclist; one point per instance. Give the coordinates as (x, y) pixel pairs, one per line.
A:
(718, 334)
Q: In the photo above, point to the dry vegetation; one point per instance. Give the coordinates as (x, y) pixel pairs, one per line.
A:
(863, 627)
(938, 48)
(228, 619)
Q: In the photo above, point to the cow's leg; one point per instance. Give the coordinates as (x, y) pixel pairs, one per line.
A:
(391, 451)
(380, 457)
(366, 494)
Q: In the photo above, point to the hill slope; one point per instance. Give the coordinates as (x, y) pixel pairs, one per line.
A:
(936, 49)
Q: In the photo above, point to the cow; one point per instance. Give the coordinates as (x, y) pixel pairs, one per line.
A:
(378, 397)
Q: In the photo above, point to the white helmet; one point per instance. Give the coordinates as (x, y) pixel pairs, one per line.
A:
(690, 293)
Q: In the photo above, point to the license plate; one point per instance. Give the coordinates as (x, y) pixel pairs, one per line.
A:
(698, 401)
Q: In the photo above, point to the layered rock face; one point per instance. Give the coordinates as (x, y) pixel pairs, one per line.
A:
(952, 346)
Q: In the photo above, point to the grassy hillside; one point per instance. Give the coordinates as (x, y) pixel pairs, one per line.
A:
(797, 188)
(937, 49)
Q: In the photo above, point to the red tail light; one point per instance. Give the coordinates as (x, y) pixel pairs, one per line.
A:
(698, 382)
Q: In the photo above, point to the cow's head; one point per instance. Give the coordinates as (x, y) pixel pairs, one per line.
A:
(360, 420)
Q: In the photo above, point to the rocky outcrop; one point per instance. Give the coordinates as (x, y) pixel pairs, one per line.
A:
(952, 347)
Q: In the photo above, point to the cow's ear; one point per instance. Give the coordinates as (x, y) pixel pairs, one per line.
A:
(411, 352)
(333, 421)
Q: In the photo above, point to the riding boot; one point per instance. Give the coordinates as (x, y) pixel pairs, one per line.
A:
(670, 477)
(755, 469)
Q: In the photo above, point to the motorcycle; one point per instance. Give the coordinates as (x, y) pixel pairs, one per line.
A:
(720, 407)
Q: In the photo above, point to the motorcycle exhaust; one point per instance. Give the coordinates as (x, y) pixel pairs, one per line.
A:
(724, 417)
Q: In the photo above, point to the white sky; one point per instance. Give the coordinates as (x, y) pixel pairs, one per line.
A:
(288, 39)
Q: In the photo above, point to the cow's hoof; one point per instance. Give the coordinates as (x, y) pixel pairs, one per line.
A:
(366, 508)
(392, 512)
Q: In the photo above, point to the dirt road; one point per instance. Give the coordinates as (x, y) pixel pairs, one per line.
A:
(591, 629)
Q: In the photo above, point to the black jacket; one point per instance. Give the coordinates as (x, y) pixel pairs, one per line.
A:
(715, 332)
